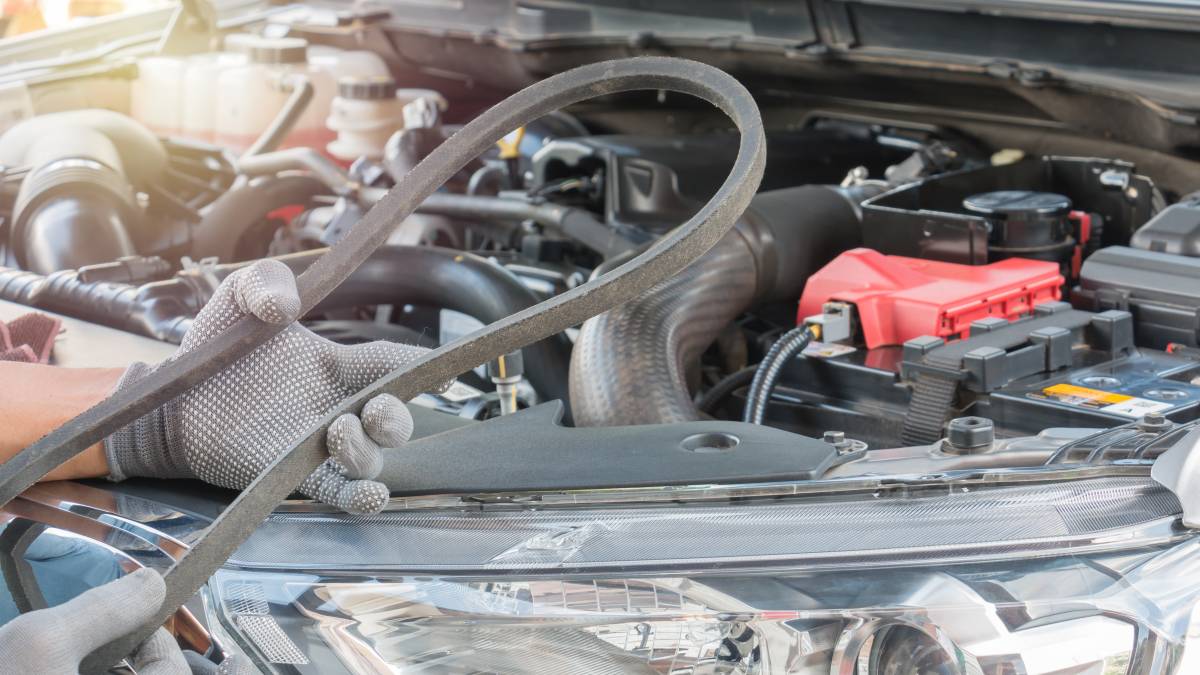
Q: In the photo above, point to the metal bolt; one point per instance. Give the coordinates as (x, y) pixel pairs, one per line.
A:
(1154, 421)
(841, 444)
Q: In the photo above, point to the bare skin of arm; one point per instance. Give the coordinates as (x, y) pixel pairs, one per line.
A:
(36, 399)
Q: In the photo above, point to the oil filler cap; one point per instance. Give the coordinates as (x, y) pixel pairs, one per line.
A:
(1024, 223)
(367, 88)
(1017, 204)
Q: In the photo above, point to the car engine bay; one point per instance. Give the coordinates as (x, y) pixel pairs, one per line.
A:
(919, 344)
(939, 281)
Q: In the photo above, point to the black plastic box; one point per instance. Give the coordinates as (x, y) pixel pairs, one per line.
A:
(927, 219)
(1176, 229)
(1161, 290)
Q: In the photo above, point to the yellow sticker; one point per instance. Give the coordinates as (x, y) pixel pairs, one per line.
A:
(1069, 393)
(1103, 401)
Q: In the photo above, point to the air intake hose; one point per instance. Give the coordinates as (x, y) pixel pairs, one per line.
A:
(77, 206)
(440, 277)
(630, 365)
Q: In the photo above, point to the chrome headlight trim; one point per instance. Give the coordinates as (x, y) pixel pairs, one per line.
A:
(919, 525)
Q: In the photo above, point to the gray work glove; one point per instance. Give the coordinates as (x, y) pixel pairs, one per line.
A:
(56, 640)
(231, 427)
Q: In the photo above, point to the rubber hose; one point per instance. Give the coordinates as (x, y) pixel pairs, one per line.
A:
(285, 120)
(576, 223)
(75, 223)
(76, 205)
(661, 261)
(790, 344)
(464, 282)
(302, 159)
(231, 215)
(140, 156)
(630, 366)
(728, 384)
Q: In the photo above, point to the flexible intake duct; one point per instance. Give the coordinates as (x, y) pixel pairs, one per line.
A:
(161, 309)
(630, 365)
(76, 206)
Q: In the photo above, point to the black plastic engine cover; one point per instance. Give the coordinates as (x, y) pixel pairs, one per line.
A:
(531, 451)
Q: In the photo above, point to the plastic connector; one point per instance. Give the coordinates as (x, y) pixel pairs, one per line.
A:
(835, 323)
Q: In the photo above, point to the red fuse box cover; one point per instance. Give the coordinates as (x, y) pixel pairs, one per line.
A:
(898, 299)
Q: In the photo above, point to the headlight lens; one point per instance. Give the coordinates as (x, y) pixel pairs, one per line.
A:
(1090, 577)
(903, 649)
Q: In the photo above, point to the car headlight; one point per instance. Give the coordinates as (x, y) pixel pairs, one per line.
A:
(1092, 576)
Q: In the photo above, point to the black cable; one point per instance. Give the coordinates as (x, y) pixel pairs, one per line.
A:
(661, 261)
(791, 343)
(708, 402)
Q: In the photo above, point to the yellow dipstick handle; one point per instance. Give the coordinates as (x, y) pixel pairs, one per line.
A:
(511, 143)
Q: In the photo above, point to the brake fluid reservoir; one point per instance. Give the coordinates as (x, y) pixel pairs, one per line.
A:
(332, 65)
(367, 111)
(157, 94)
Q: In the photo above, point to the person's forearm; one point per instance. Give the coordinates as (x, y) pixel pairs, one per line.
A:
(34, 399)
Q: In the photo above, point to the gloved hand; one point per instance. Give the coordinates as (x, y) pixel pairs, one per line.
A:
(54, 641)
(228, 429)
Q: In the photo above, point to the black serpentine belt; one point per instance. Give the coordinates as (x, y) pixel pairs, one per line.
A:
(932, 400)
(662, 260)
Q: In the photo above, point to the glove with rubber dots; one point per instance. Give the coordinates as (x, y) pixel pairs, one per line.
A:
(54, 641)
(229, 428)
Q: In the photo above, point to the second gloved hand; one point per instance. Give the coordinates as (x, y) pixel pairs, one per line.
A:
(55, 640)
(228, 429)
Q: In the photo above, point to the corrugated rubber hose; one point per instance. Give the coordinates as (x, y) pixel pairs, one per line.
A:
(630, 365)
(659, 262)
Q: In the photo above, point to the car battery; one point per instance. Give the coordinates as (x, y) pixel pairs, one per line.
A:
(895, 299)
(1057, 367)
